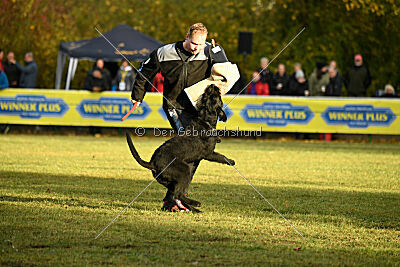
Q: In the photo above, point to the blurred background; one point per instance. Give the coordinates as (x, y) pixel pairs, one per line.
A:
(335, 30)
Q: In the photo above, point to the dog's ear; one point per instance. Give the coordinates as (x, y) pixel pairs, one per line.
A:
(222, 115)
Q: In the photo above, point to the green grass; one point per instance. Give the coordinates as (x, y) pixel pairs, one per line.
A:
(58, 192)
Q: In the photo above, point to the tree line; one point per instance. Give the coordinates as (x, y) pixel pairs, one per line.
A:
(335, 30)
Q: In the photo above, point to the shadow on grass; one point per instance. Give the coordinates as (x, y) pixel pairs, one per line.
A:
(368, 209)
(321, 146)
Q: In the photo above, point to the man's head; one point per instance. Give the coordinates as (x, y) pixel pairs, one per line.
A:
(10, 56)
(28, 57)
(300, 76)
(195, 38)
(322, 67)
(389, 89)
(281, 69)
(100, 63)
(332, 72)
(264, 62)
(333, 64)
(1, 54)
(124, 63)
(256, 76)
(358, 60)
(297, 66)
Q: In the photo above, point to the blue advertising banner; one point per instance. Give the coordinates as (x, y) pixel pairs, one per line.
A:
(246, 113)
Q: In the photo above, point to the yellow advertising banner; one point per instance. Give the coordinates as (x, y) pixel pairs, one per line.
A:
(245, 113)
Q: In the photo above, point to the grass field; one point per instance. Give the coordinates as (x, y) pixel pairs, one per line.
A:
(58, 192)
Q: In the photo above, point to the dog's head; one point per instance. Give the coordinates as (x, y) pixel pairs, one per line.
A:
(210, 106)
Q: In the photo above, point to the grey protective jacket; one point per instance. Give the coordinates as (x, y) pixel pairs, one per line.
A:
(178, 74)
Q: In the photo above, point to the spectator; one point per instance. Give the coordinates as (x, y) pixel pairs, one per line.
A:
(266, 74)
(158, 83)
(105, 74)
(358, 78)
(280, 81)
(333, 64)
(319, 79)
(389, 91)
(95, 81)
(334, 87)
(257, 87)
(297, 67)
(298, 85)
(3, 80)
(28, 73)
(125, 77)
(13, 73)
(1, 59)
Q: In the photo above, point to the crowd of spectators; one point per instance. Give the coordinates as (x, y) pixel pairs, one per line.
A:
(324, 80)
(14, 75)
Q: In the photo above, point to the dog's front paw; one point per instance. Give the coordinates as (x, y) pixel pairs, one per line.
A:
(230, 162)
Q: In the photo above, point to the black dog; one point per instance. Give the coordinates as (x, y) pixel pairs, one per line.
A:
(195, 143)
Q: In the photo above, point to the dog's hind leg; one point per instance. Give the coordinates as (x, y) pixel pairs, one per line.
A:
(216, 157)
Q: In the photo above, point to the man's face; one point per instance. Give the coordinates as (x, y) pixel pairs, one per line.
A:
(10, 56)
(28, 58)
(264, 64)
(196, 42)
(358, 62)
(1, 55)
(100, 64)
(332, 73)
(281, 69)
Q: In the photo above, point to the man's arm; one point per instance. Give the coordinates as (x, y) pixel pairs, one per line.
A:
(27, 69)
(217, 53)
(147, 71)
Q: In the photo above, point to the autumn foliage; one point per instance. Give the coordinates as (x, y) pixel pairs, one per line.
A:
(334, 30)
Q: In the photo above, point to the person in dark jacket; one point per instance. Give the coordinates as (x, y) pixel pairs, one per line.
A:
(105, 73)
(280, 82)
(182, 64)
(298, 84)
(28, 72)
(334, 87)
(95, 81)
(12, 71)
(266, 75)
(358, 78)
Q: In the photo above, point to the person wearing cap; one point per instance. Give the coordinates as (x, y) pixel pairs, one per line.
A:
(319, 79)
(298, 84)
(358, 78)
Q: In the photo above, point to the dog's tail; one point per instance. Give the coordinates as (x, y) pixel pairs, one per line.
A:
(135, 154)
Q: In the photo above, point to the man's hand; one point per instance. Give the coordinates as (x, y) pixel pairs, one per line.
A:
(134, 101)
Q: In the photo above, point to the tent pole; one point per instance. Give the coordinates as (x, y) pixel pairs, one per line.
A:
(74, 66)
(68, 81)
(60, 67)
